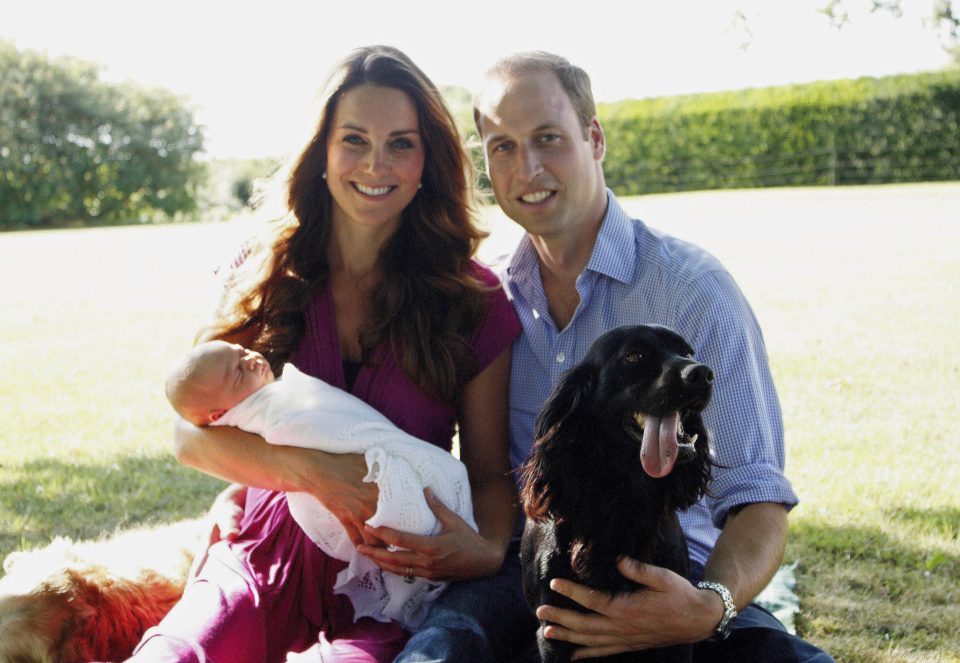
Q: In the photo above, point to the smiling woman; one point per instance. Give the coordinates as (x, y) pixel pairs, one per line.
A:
(374, 159)
(368, 283)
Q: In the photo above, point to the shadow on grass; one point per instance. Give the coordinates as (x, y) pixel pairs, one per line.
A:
(53, 497)
(943, 523)
(880, 594)
(899, 544)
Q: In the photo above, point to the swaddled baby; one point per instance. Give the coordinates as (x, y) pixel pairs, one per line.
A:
(225, 384)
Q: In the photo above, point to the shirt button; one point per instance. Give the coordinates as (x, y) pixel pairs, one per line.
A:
(561, 357)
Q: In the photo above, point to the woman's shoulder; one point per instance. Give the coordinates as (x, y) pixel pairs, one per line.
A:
(500, 325)
(483, 273)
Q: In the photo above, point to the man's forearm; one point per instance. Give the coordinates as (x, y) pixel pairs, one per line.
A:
(749, 551)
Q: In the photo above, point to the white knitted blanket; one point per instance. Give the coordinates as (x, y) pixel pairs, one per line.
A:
(302, 411)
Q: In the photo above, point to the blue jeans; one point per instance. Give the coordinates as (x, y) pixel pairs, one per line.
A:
(477, 621)
(759, 637)
(488, 621)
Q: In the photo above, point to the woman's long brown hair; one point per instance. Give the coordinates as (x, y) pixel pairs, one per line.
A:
(428, 303)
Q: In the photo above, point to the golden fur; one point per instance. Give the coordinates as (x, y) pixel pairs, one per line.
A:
(92, 601)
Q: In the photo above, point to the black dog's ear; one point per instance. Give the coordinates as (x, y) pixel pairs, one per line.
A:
(555, 454)
(569, 396)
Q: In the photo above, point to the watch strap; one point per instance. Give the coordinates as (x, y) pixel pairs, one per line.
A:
(729, 608)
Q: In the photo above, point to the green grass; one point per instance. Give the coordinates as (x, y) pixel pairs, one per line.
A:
(856, 289)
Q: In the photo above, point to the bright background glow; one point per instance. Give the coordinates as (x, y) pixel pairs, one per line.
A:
(252, 69)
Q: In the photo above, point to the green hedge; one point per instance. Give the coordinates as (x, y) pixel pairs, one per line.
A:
(864, 131)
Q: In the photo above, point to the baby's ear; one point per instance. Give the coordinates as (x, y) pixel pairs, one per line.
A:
(215, 414)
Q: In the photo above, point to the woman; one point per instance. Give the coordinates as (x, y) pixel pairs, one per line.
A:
(369, 285)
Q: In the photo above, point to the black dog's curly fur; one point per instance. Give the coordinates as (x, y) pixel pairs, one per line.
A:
(587, 499)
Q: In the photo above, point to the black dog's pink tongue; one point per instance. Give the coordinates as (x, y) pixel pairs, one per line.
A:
(658, 451)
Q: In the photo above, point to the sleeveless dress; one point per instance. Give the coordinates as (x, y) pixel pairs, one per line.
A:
(269, 591)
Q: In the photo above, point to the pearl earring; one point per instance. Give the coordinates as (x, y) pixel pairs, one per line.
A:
(324, 176)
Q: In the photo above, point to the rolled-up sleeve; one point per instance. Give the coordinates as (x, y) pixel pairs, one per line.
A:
(743, 418)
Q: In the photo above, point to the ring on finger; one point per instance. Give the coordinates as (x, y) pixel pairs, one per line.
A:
(408, 576)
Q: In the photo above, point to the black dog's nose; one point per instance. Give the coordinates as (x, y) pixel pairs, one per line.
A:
(697, 375)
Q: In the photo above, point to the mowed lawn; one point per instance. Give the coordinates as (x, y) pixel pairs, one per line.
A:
(857, 289)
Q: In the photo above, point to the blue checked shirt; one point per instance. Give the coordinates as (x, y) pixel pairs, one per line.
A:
(639, 275)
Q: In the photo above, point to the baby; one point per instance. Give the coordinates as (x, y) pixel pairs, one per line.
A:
(214, 377)
(225, 384)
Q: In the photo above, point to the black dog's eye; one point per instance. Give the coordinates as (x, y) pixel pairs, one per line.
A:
(633, 358)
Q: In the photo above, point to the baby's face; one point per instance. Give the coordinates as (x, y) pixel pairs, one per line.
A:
(238, 372)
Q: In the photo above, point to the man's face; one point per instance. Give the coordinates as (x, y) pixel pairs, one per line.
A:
(543, 164)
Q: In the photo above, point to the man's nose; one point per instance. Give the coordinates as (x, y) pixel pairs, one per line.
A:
(530, 164)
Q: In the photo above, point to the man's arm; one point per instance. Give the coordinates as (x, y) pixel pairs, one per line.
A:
(671, 610)
(749, 551)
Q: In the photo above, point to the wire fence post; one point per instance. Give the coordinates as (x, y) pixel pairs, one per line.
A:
(833, 160)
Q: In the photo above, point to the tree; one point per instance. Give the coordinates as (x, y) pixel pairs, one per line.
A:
(944, 20)
(74, 149)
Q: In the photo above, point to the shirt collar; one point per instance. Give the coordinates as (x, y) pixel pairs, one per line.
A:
(613, 253)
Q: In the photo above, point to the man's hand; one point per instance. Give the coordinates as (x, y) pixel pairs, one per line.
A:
(668, 611)
(458, 552)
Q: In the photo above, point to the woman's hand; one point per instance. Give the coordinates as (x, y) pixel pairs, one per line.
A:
(337, 481)
(222, 521)
(226, 513)
(458, 552)
(245, 458)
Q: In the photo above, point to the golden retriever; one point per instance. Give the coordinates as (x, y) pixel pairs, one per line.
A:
(91, 601)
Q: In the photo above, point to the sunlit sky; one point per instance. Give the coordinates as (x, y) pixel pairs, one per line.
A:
(252, 70)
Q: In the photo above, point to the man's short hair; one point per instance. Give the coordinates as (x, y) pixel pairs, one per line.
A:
(574, 80)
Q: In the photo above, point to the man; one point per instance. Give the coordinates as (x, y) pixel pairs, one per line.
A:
(585, 267)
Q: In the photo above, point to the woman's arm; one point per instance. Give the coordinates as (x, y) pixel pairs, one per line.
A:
(459, 552)
(484, 449)
(245, 458)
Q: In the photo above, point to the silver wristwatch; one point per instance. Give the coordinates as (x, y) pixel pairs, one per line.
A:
(729, 609)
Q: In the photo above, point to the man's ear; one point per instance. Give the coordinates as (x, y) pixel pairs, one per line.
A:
(213, 415)
(597, 139)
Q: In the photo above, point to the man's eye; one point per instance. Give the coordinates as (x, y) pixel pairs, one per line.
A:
(502, 147)
(633, 358)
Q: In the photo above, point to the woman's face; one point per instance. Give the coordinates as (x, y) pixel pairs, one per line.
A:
(375, 157)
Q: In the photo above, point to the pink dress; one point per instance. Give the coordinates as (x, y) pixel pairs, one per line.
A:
(268, 592)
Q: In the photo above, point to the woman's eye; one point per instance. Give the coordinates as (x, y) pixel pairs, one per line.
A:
(403, 144)
(353, 139)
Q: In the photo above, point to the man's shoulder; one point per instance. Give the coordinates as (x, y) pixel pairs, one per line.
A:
(668, 256)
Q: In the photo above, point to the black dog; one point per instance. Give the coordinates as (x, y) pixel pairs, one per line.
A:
(620, 448)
